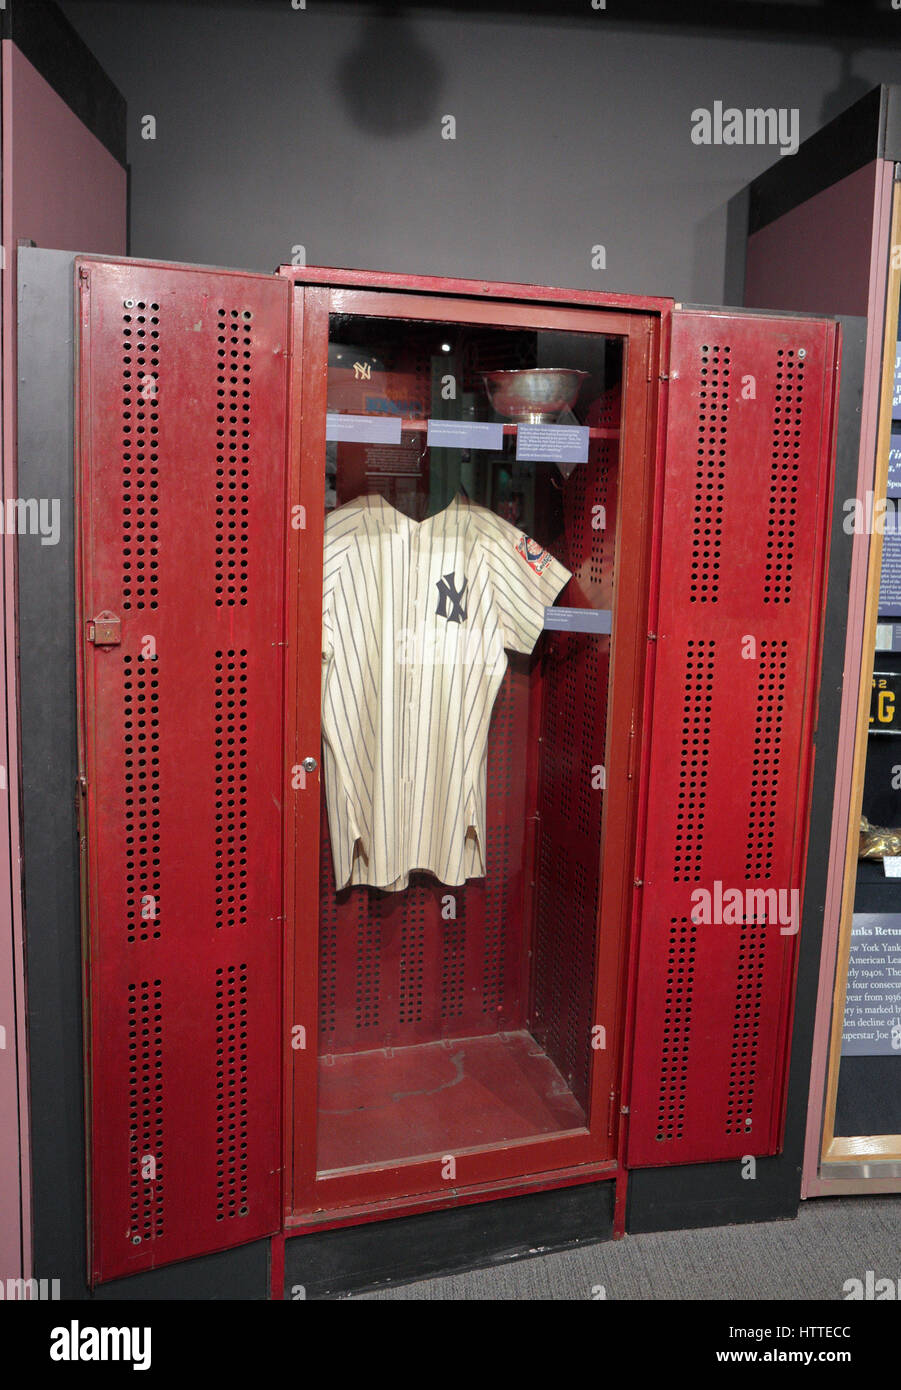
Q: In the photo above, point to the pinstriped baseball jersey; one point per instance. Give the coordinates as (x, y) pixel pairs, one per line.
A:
(415, 621)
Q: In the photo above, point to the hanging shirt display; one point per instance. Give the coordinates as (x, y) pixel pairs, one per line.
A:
(416, 620)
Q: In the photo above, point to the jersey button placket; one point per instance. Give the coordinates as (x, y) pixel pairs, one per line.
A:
(408, 667)
(413, 671)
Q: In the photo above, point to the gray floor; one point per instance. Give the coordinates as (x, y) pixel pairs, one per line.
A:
(832, 1240)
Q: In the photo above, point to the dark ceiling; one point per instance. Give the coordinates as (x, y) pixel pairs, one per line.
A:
(817, 20)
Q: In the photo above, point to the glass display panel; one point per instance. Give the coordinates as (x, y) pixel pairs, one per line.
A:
(868, 1097)
(469, 576)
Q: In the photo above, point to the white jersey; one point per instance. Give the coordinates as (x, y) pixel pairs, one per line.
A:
(416, 617)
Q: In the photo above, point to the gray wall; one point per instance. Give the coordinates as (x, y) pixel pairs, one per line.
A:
(322, 127)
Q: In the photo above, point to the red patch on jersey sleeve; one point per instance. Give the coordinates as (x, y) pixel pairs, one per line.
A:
(535, 556)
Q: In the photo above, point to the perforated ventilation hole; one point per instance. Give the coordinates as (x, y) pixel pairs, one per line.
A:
(503, 752)
(594, 505)
(140, 442)
(569, 723)
(369, 960)
(543, 946)
(412, 958)
(453, 968)
(233, 455)
(767, 760)
(782, 518)
(553, 870)
(574, 1049)
(694, 760)
(494, 960)
(232, 1092)
(567, 691)
(231, 748)
(677, 1021)
(328, 936)
(589, 796)
(593, 693)
(146, 1158)
(141, 767)
(710, 474)
(746, 1030)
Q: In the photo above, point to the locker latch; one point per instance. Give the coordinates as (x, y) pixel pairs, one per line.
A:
(105, 630)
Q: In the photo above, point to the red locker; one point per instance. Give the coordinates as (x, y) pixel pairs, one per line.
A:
(265, 1052)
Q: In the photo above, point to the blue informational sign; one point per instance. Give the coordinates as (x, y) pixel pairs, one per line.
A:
(893, 487)
(552, 443)
(873, 998)
(363, 429)
(896, 392)
(465, 434)
(597, 620)
(890, 581)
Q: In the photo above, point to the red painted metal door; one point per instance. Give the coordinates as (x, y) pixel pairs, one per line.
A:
(181, 464)
(747, 492)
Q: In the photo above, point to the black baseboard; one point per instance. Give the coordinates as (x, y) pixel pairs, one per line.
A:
(694, 1195)
(335, 1263)
(238, 1274)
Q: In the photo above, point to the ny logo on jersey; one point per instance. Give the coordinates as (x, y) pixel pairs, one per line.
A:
(448, 593)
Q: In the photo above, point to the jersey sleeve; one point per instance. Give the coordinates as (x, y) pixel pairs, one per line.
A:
(525, 579)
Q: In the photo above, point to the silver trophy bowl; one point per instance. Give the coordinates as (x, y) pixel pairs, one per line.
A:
(534, 395)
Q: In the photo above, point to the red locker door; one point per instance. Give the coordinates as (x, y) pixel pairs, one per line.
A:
(181, 478)
(732, 693)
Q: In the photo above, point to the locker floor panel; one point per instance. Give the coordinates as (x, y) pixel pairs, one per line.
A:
(438, 1098)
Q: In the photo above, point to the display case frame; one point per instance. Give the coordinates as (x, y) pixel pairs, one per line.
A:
(867, 1159)
(332, 1198)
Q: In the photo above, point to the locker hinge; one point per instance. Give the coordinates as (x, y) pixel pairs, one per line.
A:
(105, 630)
(612, 1112)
